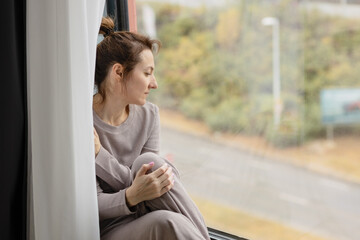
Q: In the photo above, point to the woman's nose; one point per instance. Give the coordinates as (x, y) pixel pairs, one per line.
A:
(153, 83)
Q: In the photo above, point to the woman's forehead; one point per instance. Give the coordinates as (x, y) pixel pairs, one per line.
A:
(147, 58)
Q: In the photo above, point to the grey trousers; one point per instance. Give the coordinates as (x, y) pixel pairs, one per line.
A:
(172, 216)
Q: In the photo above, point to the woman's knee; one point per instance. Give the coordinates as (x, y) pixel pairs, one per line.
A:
(146, 158)
(167, 219)
(149, 157)
(163, 217)
(174, 224)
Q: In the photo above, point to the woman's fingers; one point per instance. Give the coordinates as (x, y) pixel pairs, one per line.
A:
(160, 171)
(166, 177)
(168, 182)
(96, 142)
(144, 168)
(153, 185)
(95, 133)
(96, 136)
(169, 186)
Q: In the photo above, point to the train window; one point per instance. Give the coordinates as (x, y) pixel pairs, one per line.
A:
(259, 105)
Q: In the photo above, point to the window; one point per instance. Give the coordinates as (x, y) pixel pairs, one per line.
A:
(260, 112)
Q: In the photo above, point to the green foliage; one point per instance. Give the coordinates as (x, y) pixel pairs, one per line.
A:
(288, 133)
(216, 66)
(228, 28)
(313, 127)
(198, 104)
(181, 27)
(228, 116)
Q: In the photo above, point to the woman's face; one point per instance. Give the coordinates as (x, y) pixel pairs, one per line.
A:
(141, 79)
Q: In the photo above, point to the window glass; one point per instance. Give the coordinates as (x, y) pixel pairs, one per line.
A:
(260, 110)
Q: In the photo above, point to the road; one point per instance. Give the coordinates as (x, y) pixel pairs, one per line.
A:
(297, 197)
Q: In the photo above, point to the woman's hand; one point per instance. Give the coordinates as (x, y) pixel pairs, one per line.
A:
(97, 143)
(149, 186)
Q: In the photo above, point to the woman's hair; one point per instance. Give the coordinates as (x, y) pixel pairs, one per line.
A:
(119, 47)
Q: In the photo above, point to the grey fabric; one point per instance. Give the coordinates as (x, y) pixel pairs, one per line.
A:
(156, 225)
(124, 149)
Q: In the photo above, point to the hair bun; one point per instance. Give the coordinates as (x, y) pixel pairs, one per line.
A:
(107, 26)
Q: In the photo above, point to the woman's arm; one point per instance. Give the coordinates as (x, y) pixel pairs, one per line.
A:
(145, 187)
(112, 205)
(149, 186)
(116, 175)
(107, 167)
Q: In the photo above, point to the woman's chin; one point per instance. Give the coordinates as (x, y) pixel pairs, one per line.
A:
(141, 102)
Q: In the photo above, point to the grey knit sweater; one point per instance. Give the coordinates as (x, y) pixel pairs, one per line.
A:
(120, 146)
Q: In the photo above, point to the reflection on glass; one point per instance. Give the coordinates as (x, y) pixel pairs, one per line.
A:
(294, 178)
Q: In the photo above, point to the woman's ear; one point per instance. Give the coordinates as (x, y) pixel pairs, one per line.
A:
(118, 71)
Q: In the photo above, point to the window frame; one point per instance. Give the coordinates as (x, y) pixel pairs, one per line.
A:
(124, 14)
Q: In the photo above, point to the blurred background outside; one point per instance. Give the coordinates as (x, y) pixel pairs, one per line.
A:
(260, 110)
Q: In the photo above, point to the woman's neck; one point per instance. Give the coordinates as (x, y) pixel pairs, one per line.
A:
(110, 111)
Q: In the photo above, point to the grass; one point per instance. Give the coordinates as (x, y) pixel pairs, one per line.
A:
(246, 225)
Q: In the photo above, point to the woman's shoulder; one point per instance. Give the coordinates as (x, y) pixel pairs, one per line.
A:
(148, 109)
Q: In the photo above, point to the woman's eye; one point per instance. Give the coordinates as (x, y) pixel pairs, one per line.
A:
(147, 74)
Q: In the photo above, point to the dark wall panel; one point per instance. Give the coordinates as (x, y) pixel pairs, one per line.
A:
(13, 120)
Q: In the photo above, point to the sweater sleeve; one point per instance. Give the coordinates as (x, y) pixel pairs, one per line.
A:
(153, 142)
(112, 205)
(116, 175)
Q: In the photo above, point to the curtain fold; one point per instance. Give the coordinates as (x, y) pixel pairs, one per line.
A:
(61, 48)
(13, 123)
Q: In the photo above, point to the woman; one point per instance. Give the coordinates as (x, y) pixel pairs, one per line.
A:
(139, 193)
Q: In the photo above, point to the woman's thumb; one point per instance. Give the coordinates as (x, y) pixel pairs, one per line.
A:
(144, 168)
